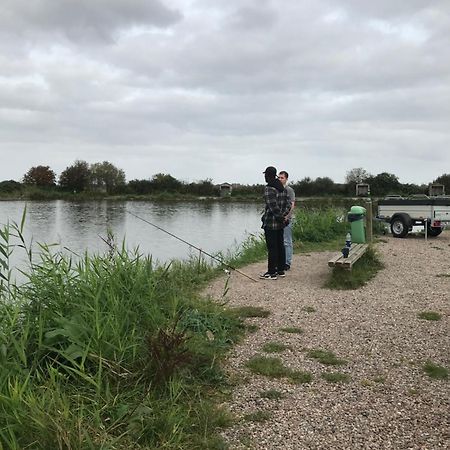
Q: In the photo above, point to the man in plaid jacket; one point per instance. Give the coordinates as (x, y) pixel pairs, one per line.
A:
(274, 219)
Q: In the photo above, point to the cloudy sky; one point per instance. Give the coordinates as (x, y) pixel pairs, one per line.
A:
(220, 89)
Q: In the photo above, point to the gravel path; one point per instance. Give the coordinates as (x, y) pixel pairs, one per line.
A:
(389, 402)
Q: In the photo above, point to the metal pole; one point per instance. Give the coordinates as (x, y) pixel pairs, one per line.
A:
(426, 230)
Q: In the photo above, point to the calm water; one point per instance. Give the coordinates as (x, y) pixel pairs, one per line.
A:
(77, 226)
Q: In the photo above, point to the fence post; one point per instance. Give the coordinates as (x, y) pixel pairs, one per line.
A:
(369, 224)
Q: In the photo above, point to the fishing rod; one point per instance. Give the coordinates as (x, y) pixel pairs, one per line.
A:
(193, 246)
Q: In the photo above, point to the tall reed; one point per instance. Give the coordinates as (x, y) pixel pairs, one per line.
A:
(109, 351)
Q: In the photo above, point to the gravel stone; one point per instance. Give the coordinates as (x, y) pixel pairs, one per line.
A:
(389, 402)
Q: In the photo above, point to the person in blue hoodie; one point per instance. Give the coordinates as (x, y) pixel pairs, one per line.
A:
(274, 219)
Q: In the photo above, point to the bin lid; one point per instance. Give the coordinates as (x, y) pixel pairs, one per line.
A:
(358, 210)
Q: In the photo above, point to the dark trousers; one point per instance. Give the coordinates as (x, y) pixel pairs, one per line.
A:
(275, 249)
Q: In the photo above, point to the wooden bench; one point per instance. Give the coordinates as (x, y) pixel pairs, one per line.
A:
(356, 251)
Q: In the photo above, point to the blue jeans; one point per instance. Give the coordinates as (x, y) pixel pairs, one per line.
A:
(288, 246)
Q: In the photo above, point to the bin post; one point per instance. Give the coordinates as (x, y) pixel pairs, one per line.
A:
(369, 223)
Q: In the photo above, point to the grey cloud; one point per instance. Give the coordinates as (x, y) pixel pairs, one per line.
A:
(83, 20)
(319, 87)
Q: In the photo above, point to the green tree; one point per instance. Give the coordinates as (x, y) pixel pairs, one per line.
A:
(76, 177)
(107, 176)
(41, 176)
(165, 182)
(384, 183)
(202, 187)
(323, 185)
(141, 187)
(357, 175)
(10, 186)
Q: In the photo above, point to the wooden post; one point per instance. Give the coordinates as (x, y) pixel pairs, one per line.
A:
(369, 229)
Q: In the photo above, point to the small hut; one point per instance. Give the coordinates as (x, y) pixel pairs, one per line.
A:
(436, 189)
(225, 189)
(362, 190)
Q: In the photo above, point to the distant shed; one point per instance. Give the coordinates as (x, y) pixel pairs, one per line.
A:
(436, 189)
(362, 190)
(225, 189)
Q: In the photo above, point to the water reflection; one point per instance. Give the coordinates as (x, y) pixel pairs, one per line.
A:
(78, 225)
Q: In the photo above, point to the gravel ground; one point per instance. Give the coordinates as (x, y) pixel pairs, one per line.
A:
(389, 403)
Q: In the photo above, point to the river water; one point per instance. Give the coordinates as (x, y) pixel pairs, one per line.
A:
(80, 226)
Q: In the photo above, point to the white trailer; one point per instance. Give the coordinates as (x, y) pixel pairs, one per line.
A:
(404, 213)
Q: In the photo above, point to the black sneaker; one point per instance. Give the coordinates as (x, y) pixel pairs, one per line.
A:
(268, 276)
(287, 267)
(281, 274)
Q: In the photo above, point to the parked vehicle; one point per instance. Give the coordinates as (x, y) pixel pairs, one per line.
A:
(404, 213)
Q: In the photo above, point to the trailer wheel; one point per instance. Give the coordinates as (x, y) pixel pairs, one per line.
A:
(399, 227)
(433, 231)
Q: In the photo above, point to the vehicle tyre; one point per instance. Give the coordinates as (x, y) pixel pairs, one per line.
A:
(399, 227)
(434, 231)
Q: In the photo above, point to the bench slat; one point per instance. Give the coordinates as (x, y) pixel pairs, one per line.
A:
(356, 251)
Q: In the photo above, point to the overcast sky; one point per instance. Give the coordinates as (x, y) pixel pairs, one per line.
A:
(221, 89)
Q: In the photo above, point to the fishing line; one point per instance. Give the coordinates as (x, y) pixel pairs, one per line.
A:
(193, 246)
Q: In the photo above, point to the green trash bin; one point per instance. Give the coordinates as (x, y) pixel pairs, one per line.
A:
(356, 218)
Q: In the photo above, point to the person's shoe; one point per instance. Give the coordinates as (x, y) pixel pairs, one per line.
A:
(281, 274)
(287, 267)
(268, 276)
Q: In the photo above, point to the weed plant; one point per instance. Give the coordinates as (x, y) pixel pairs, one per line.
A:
(435, 371)
(109, 352)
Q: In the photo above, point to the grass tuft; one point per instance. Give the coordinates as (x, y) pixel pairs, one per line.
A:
(270, 367)
(336, 377)
(300, 377)
(294, 330)
(309, 309)
(429, 315)
(251, 328)
(325, 357)
(275, 347)
(272, 394)
(435, 371)
(250, 311)
(274, 368)
(258, 416)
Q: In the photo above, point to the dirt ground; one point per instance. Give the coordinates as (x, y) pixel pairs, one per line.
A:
(389, 401)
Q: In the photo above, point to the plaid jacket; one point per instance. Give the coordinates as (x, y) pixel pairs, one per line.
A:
(277, 207)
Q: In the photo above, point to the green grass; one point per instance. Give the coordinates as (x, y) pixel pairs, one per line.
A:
(309, 309)
(300, 377)
(325, 357)
(272, 394)
(318, 225)
(258, 416)
(269, 367)
(275, 347)
(250, 311)
(435, 371)
(293, 330)
(363, 270)
(110, 351)
(443, 275)
(251, 328)
(336, 377)
(274, 368)
(429, 315)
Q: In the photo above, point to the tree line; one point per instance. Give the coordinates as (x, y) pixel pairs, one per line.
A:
(106, 178)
